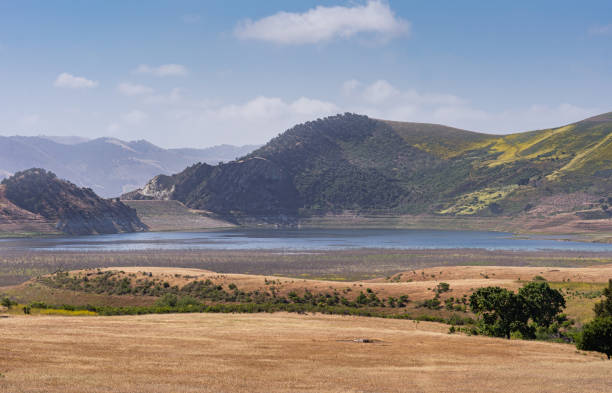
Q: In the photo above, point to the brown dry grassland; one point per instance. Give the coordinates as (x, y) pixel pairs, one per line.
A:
(289, 352)
(280, 353)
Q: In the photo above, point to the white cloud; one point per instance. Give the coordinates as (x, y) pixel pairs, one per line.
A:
(263, 107)
(131, 89)
(173, 120)
(382, 100)
(601, 30)
(67, 80)
(380, 91)
(135, 117)
(311, 107)
(162, 70)
(350, 86)
(253, 121)
(322, 24)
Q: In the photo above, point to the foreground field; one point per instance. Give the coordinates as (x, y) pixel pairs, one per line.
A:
(281, 353)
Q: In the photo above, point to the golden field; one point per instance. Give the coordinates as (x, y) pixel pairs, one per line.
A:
(279, 352)
(284, 352)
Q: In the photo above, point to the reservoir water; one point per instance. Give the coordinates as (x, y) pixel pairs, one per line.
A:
(300, 239)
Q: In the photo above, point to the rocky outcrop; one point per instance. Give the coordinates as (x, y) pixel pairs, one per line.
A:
(70, 209)
(250, 187)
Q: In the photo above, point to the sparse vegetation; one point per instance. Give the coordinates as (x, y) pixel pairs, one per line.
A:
(597, 334)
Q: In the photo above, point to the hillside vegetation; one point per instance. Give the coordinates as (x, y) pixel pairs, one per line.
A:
(354, 163)
(36, 195)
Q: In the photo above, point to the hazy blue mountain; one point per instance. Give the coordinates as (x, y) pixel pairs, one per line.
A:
(109, 166)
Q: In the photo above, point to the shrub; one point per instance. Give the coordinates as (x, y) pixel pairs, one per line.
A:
(6, 302)
(168, 300)
(597, 336)
(604, 308)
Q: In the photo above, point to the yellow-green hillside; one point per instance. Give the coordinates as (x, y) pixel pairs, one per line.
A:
(352, 162)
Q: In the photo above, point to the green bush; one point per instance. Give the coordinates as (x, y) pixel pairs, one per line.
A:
(8, 303)
(506, 314)
(597, 336)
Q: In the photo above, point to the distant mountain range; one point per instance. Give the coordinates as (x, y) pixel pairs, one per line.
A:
(37, 201)
(354, 163)
(108, 166)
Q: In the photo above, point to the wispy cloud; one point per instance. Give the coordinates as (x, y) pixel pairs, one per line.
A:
(131, 89)
(383, 100)
(135, 117)
(273, 107)
(66, 80)
(322, 24)
(162, 70)
(601, 30)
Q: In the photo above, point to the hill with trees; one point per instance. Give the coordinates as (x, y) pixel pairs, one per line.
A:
(355, 163)
(39, 201)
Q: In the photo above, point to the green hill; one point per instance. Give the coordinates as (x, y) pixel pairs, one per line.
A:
(354, 163)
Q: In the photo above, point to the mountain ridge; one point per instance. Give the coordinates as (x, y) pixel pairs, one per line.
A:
(351, 162)
(109, 166)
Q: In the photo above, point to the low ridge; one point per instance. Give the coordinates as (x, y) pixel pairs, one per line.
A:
(39, 196)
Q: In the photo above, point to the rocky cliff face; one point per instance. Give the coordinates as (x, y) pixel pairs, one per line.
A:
(72, 210)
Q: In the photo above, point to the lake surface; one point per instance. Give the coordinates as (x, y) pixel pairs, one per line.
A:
(300, 240)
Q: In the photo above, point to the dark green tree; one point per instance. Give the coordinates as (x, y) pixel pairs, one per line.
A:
(597, 336)
(543, 302)
(501, 312)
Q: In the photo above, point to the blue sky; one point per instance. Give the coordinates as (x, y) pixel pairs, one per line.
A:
(195, 74)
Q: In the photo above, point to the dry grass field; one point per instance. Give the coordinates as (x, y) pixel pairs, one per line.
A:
(284, 352)
(281, 353)
(582, 287)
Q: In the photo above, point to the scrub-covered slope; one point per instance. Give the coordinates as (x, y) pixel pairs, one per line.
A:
(352, 162)
(38, 195)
